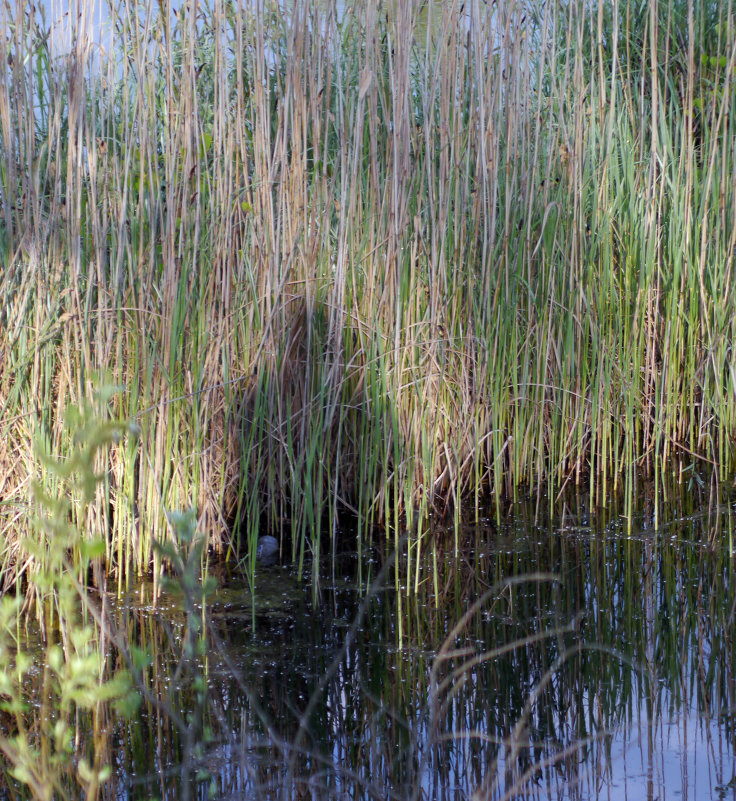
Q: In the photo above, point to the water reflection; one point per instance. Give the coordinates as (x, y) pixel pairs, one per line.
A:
(569, 661)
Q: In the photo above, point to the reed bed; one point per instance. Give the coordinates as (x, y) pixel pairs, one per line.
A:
(375, 258)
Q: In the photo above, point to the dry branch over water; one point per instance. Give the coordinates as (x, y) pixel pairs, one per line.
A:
(377, 258)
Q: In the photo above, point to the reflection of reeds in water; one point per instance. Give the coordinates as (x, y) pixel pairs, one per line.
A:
(337, 265)
(522, 687)
(515, 683)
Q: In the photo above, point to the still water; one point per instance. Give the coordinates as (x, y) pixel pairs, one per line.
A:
(583, 656)
(578, 658)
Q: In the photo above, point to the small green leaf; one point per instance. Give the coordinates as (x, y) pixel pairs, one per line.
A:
(55, 657)
(85, 771)
(140, 657)
(92, 549)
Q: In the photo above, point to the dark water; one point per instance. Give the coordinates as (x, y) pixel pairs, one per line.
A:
(585, 658)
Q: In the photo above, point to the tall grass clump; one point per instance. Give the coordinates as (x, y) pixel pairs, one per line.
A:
(376, 257)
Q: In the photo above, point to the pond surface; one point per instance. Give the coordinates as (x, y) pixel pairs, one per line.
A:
(577, 659)
(586, 658)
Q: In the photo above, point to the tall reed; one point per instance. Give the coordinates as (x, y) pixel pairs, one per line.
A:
(376, 258)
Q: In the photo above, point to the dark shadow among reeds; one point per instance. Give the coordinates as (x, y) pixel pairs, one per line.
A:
(294, 434)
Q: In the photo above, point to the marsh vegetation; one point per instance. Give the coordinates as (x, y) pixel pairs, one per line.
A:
(383, 268)
(380, 261)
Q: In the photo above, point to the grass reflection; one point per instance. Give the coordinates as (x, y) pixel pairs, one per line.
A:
(517, 683)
